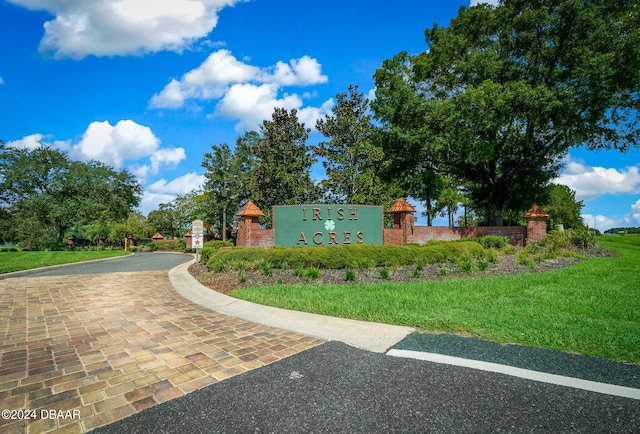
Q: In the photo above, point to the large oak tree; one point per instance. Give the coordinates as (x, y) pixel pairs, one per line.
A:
(46, 193)
(502, 93)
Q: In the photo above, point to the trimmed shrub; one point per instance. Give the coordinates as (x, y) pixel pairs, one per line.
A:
(358, 256)
(216, 244)
(217, 266)
(165, 245)
(493, 241)
(210, 247)
(510, 250)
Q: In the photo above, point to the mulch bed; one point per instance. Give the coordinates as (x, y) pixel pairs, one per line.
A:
(227, 281)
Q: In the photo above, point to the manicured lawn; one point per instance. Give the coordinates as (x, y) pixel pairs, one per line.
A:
(591, 308)
(17, 261)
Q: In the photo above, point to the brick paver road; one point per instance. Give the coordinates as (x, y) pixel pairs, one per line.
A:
(96, 348)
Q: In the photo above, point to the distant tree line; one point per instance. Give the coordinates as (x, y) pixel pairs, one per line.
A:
(622, 231)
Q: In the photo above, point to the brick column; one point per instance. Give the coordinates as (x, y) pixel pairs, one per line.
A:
(402, 219)
(248, 221)
(536, 224)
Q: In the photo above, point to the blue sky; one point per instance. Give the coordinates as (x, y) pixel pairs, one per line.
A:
(150, 85)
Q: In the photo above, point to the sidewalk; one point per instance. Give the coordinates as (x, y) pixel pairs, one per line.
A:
(360, 334)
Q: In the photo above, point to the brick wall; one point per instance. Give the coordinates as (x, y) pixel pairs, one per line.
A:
(392, 236)
(262, 238)
(250, 235)
(422, 234)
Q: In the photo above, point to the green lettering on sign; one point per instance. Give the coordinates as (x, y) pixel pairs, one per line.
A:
(327, 225)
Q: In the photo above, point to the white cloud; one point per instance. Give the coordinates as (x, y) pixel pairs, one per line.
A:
(600, 222)
(127, 141)
(208, 81)
(371, 95)
(172, 96)
(489, 2)
(252, 104)
(28, 142)
(112, 145)
(303, 71)
(170, 157)
(591, 182)
(1, 81)
(633, 218)
(107, 28)
(221, 70)
(164, 191)
(309, 115)
(32, 141)
(179, 186)
(635, 211)
(245, 92)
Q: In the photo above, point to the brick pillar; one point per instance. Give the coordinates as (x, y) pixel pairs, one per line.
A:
(536, 224)
(248, 220)
(406, 224)
(403, 219)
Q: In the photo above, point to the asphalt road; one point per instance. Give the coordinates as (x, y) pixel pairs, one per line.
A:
(335, 388)
(145, 261)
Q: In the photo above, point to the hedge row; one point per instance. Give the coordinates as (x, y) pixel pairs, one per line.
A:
(211, 247)
(357, 256)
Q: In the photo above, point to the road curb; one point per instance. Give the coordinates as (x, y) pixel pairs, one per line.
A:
(576, 383)
(369, 336)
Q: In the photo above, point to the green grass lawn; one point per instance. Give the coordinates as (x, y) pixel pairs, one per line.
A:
(592, 308)
(17, 261)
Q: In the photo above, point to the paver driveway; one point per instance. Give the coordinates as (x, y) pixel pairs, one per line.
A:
(101, 347)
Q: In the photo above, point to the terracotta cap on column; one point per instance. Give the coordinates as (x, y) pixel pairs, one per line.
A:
(250, 210)
(536, 212)
(401, 206)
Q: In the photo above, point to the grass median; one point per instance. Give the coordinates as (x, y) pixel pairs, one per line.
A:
(591, 308)
(18, 261)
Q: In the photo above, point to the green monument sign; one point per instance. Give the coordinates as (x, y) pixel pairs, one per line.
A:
(327, 225)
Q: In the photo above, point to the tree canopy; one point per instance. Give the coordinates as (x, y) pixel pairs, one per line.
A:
(563, 207)
(45, 193)
(228, 176)
(503, 93)
(282, 174)
(351, 158)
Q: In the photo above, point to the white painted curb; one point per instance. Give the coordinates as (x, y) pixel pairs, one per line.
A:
(576, 383)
